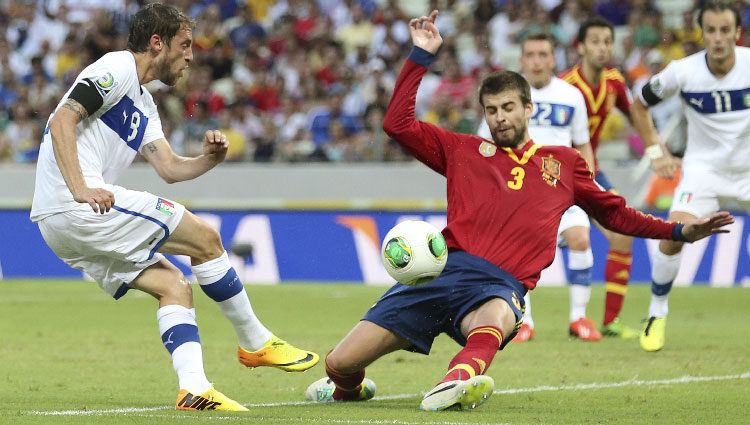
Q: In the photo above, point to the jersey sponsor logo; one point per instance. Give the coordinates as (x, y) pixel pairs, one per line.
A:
(550, 170)
(165, 207)
(487, 149)
(718, 101)
(105, 83)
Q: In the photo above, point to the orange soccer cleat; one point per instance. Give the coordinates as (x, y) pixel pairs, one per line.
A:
(525, 333)
(585, 329)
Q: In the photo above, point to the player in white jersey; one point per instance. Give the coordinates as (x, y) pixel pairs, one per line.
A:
(560, 118)
(714, 85)
(91, 137)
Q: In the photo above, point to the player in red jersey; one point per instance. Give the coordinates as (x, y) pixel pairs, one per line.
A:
(505, 200)
(604, 89)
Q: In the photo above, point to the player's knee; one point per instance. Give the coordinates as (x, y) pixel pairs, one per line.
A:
(337, 361)
(176, 290)
(670, 247)
(578, 241)
(210, 246)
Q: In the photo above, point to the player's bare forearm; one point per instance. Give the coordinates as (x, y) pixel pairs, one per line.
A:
(662, 161)
(174, 168)
(587, 152)
(62, 129)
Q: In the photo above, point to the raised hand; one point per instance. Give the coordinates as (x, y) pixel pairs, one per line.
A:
(424, 33)
(215, 145)
(708, 225)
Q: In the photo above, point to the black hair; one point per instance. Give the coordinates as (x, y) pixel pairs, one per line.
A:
(156, 18)
(500, 81)
(595, 22)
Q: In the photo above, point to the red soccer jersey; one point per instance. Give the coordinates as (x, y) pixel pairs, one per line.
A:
(504, 205)
(600, 100)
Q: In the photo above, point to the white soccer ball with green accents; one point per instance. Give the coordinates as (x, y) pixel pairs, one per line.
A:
(414, 252)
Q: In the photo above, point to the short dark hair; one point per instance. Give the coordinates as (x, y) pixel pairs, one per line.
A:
(156, 18)
(718, 6)
(500, 81)
(594, 22)
(539, 36)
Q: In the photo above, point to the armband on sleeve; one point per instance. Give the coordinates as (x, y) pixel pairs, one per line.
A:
(85, 94)
(649, 96)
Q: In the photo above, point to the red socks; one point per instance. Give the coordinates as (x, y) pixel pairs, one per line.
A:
(481, 345)
(347, 385)
(616, 276)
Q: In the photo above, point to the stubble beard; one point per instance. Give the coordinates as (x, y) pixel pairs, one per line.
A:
(513, 142)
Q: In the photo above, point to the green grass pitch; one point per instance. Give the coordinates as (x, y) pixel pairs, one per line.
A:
(71, 355)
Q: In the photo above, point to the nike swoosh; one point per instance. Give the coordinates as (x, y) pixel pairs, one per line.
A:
(305, 360)
(446, 388)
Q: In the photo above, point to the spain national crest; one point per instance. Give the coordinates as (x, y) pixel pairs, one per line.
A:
(550, 170)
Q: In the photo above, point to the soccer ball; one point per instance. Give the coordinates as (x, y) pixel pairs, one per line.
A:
(414, 252)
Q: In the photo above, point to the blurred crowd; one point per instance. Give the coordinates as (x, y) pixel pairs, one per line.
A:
(309, 80)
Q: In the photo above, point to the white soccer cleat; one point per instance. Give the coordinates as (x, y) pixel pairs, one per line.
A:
(321, 391)
(466, 394)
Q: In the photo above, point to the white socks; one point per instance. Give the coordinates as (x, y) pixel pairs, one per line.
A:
(220, 282)
(664, 270)
(179, 333)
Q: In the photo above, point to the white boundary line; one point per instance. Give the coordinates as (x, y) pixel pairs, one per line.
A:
(634, 382)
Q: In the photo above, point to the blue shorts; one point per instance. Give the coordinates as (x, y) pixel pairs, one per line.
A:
(603, 181)
(420, 313)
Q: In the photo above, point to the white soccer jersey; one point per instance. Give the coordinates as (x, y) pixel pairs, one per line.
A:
(717, 110)
(107, 140)
(559, 117)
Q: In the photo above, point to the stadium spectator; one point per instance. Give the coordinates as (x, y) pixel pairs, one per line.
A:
(321, 119)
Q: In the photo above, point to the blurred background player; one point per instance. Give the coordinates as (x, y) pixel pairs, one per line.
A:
(93, 135)
(559, 118)
(603, 88)
(505, 201)
(714, 85)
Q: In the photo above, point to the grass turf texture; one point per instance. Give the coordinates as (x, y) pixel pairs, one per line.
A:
(66, 346)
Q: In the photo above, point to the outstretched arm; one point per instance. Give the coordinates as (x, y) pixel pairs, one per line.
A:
(174, 168)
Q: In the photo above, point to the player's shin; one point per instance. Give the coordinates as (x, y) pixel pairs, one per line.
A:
(664, 270)
(481, 346)
(579, 276)
(616, 276)
(179, 334)
(220, 282)
(348, 385)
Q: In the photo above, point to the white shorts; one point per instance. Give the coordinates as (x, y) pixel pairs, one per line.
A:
(702, 192)
(572, 217)
(113, 248)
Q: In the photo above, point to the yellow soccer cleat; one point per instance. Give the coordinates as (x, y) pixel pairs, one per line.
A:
(617, 328)
(652, 337)
(280, 354)
(210, 400)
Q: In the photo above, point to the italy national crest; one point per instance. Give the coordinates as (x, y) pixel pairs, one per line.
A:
(550, 170)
